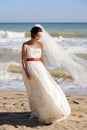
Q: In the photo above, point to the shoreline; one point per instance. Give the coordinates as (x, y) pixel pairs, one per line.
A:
(71, 93)
(15, 113)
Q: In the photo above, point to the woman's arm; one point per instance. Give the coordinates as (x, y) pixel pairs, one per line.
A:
(42, 55)
(23, 58)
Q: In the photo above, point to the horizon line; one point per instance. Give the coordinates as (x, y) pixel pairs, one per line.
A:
(42, 22)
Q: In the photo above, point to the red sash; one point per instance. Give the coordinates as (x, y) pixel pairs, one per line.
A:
(33, 59)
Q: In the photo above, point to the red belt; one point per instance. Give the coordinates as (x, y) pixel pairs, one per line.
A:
(33, 59)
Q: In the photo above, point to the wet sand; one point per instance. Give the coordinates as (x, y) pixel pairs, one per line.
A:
(15, 113)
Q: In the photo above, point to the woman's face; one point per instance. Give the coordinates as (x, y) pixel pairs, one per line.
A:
(38, 36)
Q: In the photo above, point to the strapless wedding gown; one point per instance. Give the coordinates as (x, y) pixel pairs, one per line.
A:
(46, 99)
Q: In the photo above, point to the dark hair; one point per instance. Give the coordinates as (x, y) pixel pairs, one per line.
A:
(34, 31)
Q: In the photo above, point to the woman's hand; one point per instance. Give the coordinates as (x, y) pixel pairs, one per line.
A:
(28, 75)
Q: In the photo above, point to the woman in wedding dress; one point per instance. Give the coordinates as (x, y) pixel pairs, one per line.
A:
(46, 99)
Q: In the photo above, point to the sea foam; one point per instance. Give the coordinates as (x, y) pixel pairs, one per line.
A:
(10, 34)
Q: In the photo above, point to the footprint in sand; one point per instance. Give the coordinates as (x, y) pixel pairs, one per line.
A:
(20, 94)
(80, 98)
(75, 102)
(4, 98)
(15, 104)
(74, 115)
(22, 104)
(80, 116)
(77, 122)
(4, 103)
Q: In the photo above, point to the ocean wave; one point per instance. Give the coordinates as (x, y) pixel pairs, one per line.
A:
(16, 68)
(6, 50)
(6, 74)
(13, 70)
(77, 49)
(11, 78)
(68, 34)
(60, 74)
(12, 34)
(62, 35)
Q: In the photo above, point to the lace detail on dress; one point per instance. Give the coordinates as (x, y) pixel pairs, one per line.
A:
(33, 52)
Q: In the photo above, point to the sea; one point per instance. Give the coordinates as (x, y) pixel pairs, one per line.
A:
(71, 36)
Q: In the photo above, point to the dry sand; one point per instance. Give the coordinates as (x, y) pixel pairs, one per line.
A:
(15, 112)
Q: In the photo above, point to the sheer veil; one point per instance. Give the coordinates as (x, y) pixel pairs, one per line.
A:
(61, 58)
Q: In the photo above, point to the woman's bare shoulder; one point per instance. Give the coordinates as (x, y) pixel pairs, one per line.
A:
(40, 44)
(26, 44)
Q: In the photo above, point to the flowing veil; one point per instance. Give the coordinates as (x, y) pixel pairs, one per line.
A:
(61, 58)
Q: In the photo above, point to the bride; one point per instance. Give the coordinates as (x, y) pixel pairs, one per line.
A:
(46, 99)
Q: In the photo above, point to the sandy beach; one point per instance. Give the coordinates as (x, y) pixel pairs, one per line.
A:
(15, 113)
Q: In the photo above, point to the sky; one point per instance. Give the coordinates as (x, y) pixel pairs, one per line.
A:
(43, 10)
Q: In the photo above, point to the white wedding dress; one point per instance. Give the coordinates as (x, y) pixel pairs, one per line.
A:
(47, 100)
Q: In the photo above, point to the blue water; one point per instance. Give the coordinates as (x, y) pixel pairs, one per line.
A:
(50, 27)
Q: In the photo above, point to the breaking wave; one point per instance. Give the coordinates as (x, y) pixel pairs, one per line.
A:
(11, 34)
